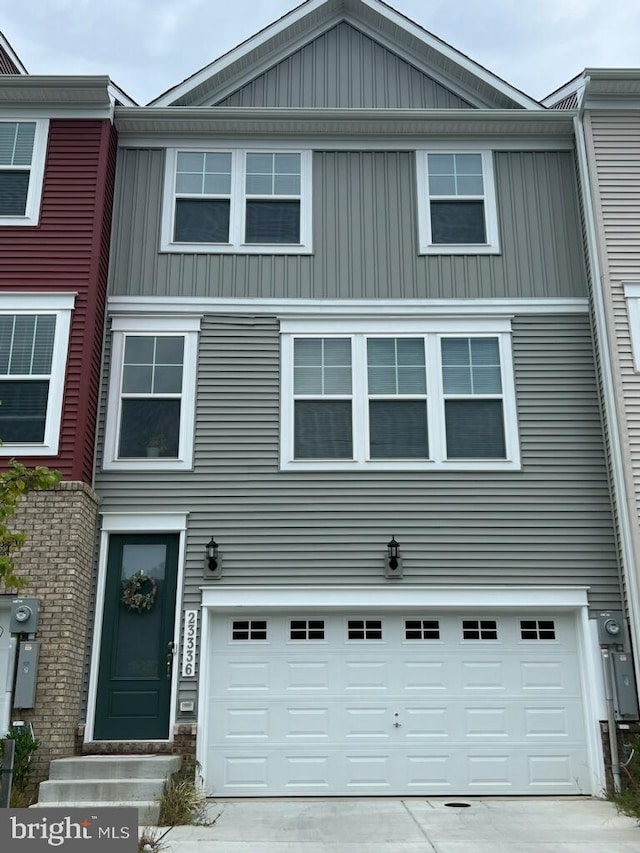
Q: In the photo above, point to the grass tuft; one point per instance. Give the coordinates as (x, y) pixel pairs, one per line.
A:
(627, 800)
(151, 841)
(183, 801)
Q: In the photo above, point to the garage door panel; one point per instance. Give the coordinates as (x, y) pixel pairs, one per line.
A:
(394, 716)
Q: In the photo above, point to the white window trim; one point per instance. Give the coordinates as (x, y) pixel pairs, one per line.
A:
(238, 207)
(426, 247)
(189, 327)
(61, 305)
(434, 329)
(36, 172)
(632, 295)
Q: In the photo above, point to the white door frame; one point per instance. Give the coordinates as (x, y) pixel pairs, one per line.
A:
(239, 599)
(132, 522)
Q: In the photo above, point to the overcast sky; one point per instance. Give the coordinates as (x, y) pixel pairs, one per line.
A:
(147, 46)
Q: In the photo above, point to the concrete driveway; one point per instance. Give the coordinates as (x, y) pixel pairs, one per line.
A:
(417, 825)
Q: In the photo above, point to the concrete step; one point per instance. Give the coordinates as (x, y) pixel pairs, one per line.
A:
(100, 790)
(114, 767)
(91, 781)
(148, 811)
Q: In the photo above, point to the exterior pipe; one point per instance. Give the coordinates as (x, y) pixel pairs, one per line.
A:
(611, 716)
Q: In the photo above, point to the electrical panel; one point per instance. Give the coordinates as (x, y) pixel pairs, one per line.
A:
(26, 674)
(625, 686)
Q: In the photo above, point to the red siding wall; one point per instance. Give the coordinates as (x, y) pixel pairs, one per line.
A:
(69, 251)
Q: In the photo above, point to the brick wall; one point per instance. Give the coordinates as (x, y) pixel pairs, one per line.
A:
(57, 560)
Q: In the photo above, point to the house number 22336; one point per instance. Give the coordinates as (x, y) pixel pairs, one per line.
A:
(190, 642)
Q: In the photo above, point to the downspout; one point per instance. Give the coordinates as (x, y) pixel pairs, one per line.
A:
(629, 566)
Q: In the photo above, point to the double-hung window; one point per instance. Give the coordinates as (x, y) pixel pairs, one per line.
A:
(237, 201)
(34, 336)
(150, 413)
(412, 398)
(457, 202)
(22, 154)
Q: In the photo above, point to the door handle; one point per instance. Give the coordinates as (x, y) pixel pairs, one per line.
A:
(172, 650)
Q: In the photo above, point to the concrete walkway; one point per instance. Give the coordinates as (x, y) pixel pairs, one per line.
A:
(544, 825)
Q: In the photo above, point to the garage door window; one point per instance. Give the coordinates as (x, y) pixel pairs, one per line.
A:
(537, 629)
(306, 629)
(422, 629)
(364, 629)
(479, 629)
(254, 629)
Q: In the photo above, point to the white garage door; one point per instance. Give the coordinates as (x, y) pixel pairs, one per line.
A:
(400, 703)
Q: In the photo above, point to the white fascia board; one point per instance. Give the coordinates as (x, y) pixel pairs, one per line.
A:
(346, 142)
(218, 65)
(453, 55)
(160, 125)
(387, 596)
(155, 305)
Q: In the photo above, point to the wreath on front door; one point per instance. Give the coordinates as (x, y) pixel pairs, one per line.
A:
(139, 592)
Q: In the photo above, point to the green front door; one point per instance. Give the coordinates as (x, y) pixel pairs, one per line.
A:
(134, 680)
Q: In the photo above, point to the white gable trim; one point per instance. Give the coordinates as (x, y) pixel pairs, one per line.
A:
(254, 42)
(452, 54)
(334, 13)
(13, 56)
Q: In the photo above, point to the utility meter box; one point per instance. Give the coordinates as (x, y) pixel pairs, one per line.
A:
(24, 615)
(612, 629)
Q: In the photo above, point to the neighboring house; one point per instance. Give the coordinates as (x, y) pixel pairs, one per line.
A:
(607, 138)
(348, 306)
(57, 165)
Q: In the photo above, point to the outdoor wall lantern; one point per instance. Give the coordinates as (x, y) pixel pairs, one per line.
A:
(214, 569)
(393, 563)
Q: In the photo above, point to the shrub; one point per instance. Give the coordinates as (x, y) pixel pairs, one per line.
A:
(628, 799)
(25, 746)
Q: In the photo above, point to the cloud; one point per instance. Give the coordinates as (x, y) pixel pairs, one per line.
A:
(147, 46)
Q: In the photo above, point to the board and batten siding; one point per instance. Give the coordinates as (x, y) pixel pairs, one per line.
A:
(613, 149)
(344, 68)
(365, 236)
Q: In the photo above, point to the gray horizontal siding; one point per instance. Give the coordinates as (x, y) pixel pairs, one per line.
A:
(365, 236)
(614, 161)
(344, 68)
(549, 524)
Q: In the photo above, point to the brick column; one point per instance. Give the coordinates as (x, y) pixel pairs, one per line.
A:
(58, 561)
